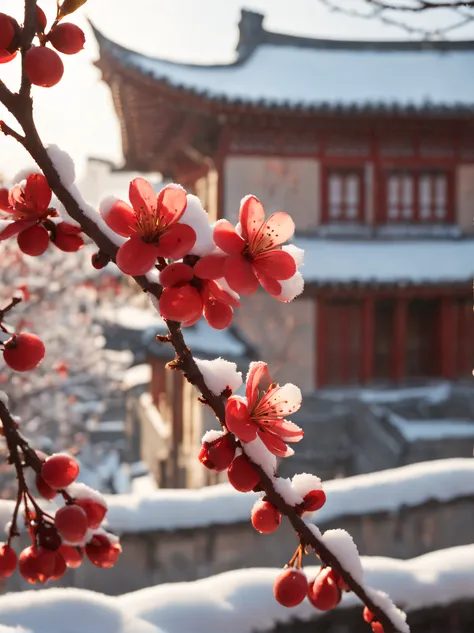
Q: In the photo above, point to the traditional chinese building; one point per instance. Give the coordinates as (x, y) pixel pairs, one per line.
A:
(370, 147)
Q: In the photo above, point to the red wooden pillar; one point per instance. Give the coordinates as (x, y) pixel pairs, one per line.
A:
(400, 338)
(448, 344)
(368, 336)
(321, 338)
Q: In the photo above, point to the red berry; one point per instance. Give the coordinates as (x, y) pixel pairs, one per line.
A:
(72, 555)
(218, 455)
(27, 565)
(101, 552)
(377, 627)
(368, 615)
(41, 20)
(7, 31)
(71, 522)
(8, 560)
(265, 517)
(6, 57)
(242, 475)
(59, 568)
(290, 587)
(323, 592)
(33, 241)
(43, 66)
(36, 564)
(314, 500)
(67, 38)
(95, 512)
(24, 351)
(60, 470)
(45, 563)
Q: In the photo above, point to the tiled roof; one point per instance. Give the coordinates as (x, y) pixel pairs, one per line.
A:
(279, 71)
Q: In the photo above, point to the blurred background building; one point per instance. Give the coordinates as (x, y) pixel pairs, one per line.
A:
(370, 147)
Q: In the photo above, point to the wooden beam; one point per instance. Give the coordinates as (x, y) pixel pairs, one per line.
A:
(368, 339)
(448, 336)
(400, 339)
(321, 340)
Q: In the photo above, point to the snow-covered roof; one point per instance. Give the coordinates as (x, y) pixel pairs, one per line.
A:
(385, 261)
(241, 601)
(432, 430)
(287, 72)
(203, 341)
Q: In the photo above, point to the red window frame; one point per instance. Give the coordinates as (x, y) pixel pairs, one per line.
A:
(349, 212)
(411, 196)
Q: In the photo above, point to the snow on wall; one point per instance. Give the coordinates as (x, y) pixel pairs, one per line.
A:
(279, 75)
(385, 491)
(414, 261)
(239, 601)
(375, 492)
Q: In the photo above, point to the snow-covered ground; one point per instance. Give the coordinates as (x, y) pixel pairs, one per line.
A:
(239, 601)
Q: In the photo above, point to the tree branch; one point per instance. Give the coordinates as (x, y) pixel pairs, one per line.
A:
(384, 12)
(21, 108)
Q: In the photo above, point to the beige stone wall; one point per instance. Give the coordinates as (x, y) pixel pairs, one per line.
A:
(282, 184)
(284, 334)
(465, 197)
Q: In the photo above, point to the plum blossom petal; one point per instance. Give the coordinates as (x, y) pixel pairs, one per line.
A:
(275, 444)
(143, 198)
(4, 201)
(275, 264)
(227, 238)
(11, 228)
(176, 274)
(272, 286)
(258, 371)
(171, 203)
(239, 275)
(219, 315)
(37, 193)
(218, 293)
(180, 304)
(119, 216)
(210, 267)
(176, 242)
(288, 431)
(277, 229)
(136, 257)
(238, 420)
(251, 217)
(280, 402)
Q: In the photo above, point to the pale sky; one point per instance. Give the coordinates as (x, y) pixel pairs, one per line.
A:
(78, 114)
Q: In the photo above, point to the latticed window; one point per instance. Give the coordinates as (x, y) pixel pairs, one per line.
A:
(417, 196)
(345, 195)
